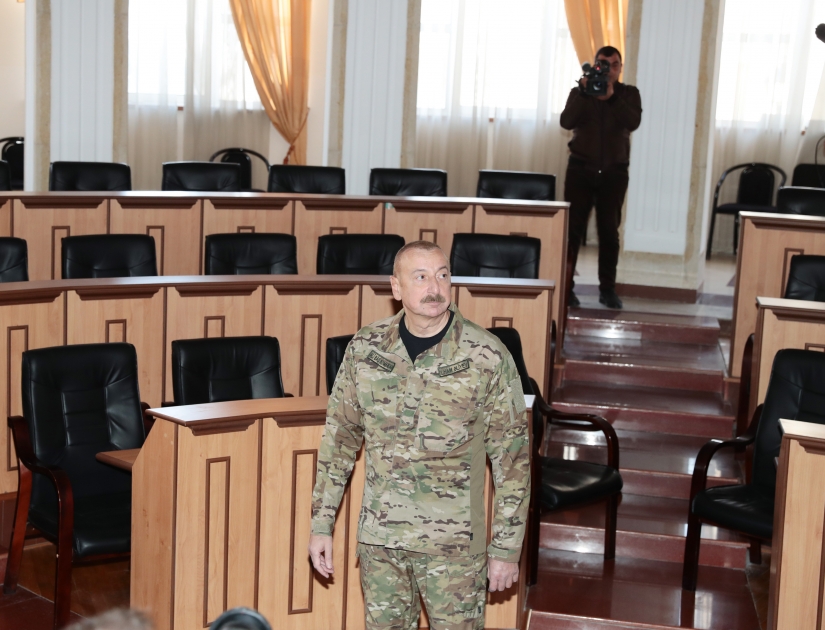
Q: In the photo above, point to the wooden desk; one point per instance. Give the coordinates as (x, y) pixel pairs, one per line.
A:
(221, 511)
(767, 242)
(124, 459)
(797, 560)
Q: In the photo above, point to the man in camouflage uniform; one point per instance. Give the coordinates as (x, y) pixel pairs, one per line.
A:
(433, 394)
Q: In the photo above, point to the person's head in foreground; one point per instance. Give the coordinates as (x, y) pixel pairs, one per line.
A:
(115, 619)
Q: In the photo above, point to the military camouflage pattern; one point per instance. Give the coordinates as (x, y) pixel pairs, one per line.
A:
(453, 592)
(429, 427)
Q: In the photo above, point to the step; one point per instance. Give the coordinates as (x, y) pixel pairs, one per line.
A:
(643, 326)
(656, 410)
(644, 363)
(583, 592)
(648, 528)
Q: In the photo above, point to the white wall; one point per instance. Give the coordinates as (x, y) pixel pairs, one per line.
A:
(320, 40)
(374, 88)
(12, 69)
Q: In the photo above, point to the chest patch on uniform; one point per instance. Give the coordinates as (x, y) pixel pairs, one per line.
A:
(381, 362)
(455, 368)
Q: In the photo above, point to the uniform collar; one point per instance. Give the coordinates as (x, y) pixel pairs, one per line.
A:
(446, 349)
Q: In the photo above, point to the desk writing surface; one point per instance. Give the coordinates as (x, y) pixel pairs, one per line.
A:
(797, 429)
(309, 407)
(123, 459)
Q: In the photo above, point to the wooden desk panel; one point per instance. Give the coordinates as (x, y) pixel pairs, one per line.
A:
(429, 219)
(328, 214)
(176, 228)
(137, 320)
(377, 303)
(22, 327)
(766, 245)
(43, 221)
(5, 217)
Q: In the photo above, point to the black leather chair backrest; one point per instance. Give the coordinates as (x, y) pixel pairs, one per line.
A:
(242, 254)
(369, 254)
(242, 159)
(5, 175)
(512, 341)
(495, 256)
(806, 279)
(79, 400)
(756, 186)
(798, 200)
(201, 176)
(321, 180)
(90, 176)
(408, 182)
(796, 391)
(13, 152)
(516, 185)
(336, 347)
(226, 368)
(809, 175)
(14, 259)
(109, 256)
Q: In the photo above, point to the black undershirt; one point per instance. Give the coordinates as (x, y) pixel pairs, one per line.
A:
(418, 345)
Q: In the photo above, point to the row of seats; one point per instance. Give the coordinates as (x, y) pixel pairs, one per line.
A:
(328, 180)
(131, 255)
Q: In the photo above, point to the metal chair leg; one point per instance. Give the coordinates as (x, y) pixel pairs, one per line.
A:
(691, 562)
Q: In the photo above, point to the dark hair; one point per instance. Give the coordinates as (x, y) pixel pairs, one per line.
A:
(608, 51)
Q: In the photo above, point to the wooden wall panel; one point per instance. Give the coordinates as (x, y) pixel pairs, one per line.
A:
(43, 222)
(342, 215)
(530, 315)
(297, 598)
(22, 327)
(429, 221)
(5, 217)
(217, 504)
(198, 315)
(377, 303)
(302, 323)
(766, 246)
(137, 321)
(176, 227)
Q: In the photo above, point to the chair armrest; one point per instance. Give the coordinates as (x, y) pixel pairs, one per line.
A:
(700, 469)
(148, 421)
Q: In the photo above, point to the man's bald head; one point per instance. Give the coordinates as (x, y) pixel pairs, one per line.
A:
(422, 246)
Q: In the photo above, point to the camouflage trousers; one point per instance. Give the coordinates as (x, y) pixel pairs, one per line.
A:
(454, 589)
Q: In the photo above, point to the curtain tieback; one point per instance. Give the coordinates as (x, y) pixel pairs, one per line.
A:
(297, 135)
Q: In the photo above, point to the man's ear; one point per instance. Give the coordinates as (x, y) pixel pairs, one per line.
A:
(396, 288)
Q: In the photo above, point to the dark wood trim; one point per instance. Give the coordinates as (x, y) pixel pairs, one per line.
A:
(173, 551)
(63, 200)
(213, 427)
(201, 238)
(259, 481)
(436, 206)
(9, 438)
(815, 447)
(290, 609)
(508, 322)
(30, 296)
(272, 202)
(516, 293)
(319, 369)
(736, 296)
(786, 265)
(217, 289)
(214, 318)
(332, 203)
(209, 462)
(165, 350)
(778, 530)
(382, 289)
(125, 292)
(360, 305)
(512, 210)
(157, 203)
(160, 246)
(108, 322)
(315, 288)
(55, 228)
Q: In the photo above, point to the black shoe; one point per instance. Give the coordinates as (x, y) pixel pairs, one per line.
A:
(573, 301)
(609, 298)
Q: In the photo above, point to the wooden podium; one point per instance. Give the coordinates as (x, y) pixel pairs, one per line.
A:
(221, 518)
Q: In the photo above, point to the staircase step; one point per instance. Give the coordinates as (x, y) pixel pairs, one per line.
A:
(643, 326)
(585, 592)
(648, 528)
(657, 410)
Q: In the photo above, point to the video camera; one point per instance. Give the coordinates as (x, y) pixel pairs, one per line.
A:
(597, 78)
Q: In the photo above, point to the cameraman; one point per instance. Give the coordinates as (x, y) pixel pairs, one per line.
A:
(597, 169)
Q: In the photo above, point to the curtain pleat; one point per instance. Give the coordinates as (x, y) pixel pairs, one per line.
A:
(596, 23)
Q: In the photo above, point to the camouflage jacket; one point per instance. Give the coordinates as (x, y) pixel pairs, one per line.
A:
(428, 427)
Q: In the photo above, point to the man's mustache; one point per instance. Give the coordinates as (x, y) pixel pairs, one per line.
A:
(437, 298)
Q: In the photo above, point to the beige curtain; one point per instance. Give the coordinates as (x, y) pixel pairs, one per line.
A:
(274, 36)
(596, 23)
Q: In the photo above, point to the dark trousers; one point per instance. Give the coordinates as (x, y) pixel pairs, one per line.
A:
(584, 188)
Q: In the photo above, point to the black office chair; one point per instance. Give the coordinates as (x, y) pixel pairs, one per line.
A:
(755, 194)
(336, 348)
(408, 182)
(495, 256)
(809, 175)
(201, 176)
(806, 279)
(226, 368)
(320, 180)
(13, 152)
(5, 175)
(367, 254)
(108, 256)
(78, 400)
(795, 391)
(516, 185)
(241, 157)
(90, 176)
(14, 259)
(244, 254)
(559, 484)
(798, 200)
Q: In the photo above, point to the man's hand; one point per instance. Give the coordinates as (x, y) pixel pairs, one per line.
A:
(320, 550)
(501, 575)
(607, 94)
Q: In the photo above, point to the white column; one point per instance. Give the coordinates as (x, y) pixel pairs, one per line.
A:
(374, 88)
